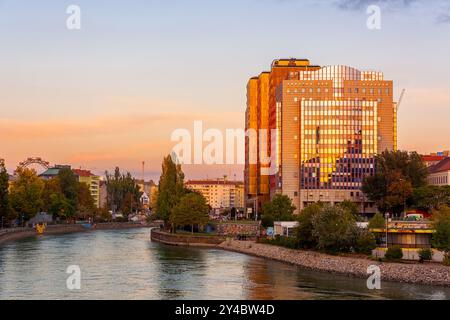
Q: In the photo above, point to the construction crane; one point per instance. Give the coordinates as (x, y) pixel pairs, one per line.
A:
(400, 99)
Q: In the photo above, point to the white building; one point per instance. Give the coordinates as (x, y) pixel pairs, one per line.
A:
(220, 193)
(439, 174)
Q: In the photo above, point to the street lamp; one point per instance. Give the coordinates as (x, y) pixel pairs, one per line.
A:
(387, 224)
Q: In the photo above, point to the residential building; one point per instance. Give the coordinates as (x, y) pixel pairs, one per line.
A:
(327, 124)
(149, 189)
(220, 193)
(92, 181)
(52, 172)
(439, 173)
(434, 158)
(103, 194)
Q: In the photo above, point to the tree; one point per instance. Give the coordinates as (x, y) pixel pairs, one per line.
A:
(170, 188)
(427, 198)
(304, 230)
(5, 209)
(334, 229)
(69, 185)
(192, 209)
(59, 206)
(377, 222)
(123, 193)
(351, 207)
(86, 204)
(279, 209)
(26, 193)
(397, 174)
(441, 222)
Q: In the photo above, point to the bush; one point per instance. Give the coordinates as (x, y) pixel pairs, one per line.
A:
(364, 242)
(303, 232)
(377, 222)
(446, 260)
(281, 241)
(425, 254)
(334, 228)
(394, 253)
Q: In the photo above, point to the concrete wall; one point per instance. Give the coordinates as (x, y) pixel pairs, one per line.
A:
(185, 239)
(234, 229)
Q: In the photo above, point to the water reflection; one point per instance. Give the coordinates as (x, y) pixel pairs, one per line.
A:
(126, 265)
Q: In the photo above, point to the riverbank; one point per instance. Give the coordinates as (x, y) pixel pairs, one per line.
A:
(425, 273)
(7, 235)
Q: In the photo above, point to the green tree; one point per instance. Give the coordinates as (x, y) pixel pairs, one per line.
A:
(351, 207)
(26, 193)
(304, 231)
(427, 198)
(441, 222)
(59, 206)
(377, 222)
(170, 188)
(69, 185)
(279, 209)
(192, 209)
(123, 193)
(5, 209)
(398, 173)
(334, 229)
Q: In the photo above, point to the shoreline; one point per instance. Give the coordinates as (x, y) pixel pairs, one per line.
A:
(13, 235)
(421, 274)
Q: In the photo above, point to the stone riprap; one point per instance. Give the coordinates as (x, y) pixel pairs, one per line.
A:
(417, 273)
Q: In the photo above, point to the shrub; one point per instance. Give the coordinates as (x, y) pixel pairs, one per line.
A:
(377, 222)
(364, 242)
(334, 228)
(425, 254)
(394, 253)
(303, 232)
(446, 260)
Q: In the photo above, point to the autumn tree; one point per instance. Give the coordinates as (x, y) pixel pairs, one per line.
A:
(26, 193)
(398, 173)
(86, 204)
(5, 208)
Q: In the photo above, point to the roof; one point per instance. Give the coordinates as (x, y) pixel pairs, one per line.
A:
(443, 165)
(51, 172)
(214, 182)
(432, 158)
(82, 173)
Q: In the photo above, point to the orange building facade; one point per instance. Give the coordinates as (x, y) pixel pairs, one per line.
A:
(325, 126)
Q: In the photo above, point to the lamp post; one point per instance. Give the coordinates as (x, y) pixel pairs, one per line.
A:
(387, 224)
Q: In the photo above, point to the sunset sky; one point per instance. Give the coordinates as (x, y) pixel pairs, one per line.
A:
(111, 93)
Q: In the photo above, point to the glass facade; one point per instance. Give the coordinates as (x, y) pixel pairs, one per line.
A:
(338, 143)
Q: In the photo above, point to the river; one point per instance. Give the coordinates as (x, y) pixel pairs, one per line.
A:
(125, 264)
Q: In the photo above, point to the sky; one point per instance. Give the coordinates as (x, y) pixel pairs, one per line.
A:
(111, 93)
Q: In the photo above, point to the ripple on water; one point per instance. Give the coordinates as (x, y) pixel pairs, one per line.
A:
(124, 264)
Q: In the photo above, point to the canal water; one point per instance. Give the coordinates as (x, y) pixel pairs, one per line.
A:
(125, 264)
